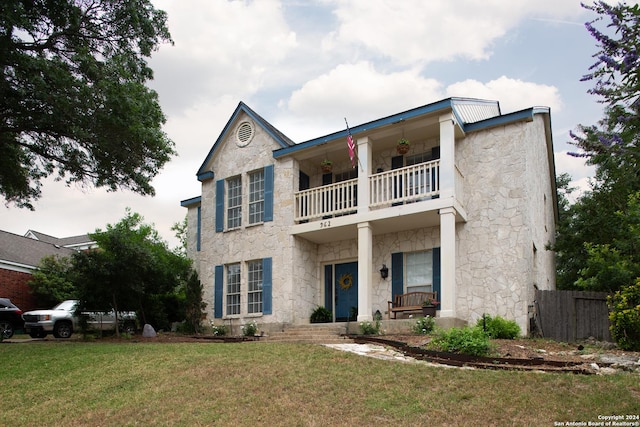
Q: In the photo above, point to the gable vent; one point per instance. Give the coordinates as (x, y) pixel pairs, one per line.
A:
(244, 133)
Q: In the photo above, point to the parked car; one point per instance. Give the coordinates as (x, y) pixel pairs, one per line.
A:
(10, 318)
(62, 321)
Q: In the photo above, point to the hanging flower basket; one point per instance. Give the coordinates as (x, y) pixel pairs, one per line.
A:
(403, 146)
(326, 166)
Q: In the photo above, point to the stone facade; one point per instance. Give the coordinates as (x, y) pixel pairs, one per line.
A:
(497, 180)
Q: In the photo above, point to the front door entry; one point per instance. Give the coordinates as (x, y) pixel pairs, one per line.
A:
(346, 291)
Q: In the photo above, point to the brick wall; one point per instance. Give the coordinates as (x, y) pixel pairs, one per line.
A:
(13, 285)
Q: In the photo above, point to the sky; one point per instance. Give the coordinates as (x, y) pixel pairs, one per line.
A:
(305, 66)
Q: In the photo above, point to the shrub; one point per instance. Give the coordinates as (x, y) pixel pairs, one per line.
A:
(624, 316)
(424, 325)
(368, 328)
(321, 315)
(249, 329)
(498, 327)
(467, 340)
(219, 330)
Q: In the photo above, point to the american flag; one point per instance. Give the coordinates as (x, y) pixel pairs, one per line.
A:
(351, 145)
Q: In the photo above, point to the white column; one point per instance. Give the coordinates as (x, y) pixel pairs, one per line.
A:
(365, 273)
(364, 170)
(447, 262)
(447, 156)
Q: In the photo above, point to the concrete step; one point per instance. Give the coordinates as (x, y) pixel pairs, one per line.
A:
(314, 333)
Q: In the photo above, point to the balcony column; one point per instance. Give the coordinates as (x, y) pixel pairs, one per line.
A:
(447, 262)
(363, 163)
(365, 273)
(447, 156)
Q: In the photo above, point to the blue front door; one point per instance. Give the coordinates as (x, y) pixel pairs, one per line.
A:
(346, 291)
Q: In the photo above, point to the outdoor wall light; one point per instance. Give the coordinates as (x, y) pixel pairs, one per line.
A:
(384, 271)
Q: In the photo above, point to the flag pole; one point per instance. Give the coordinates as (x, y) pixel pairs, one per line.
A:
(351, 141)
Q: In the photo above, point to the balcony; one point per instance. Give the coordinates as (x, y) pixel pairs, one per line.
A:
(386, 189)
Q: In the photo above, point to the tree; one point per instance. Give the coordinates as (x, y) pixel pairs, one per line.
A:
(132, 270)
(51, 283)
(625, 317)
(181, 232)
(594, 246)
(194, 306)
(73, 95)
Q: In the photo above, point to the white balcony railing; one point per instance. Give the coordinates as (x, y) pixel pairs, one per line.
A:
(411, 183)
(328, 200)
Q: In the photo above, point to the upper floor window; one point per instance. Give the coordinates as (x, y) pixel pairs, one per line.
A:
(418, 158)
(256, 196)
(234, 202)
(229, 199)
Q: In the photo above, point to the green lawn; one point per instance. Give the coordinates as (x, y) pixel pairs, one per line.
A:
(75, 383)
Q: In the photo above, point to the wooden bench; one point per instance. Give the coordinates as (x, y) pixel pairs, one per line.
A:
(411, 301)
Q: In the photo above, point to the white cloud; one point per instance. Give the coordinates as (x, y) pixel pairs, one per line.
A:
(418, 32)
(513, 94)
(575, 166)
(320, 105)
(220, 48)
(358, 92)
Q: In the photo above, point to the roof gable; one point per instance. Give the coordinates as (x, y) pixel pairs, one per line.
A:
(279, 137)
(81, 240)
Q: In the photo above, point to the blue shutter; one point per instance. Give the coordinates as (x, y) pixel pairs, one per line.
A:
(268, 194)
(397, 274)
(219, 205)
(266, 286)
(199, 228)
(436, 273)
(328, 287)
(218, 289)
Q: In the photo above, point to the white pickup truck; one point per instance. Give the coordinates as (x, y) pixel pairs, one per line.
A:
(61, 321)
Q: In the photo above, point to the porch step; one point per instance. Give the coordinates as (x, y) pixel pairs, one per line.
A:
(325, 333)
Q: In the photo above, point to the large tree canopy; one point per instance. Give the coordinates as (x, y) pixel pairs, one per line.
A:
(73, 97)
(597, 243)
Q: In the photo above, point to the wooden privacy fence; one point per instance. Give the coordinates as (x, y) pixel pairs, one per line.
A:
(570, 316)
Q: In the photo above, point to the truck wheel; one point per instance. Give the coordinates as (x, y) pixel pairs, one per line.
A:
(6, 329)
(37, 334)
(62, 330)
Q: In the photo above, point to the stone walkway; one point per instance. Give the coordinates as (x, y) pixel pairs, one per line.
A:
(617, 363)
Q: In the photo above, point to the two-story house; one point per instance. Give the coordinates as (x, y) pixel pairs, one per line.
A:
(465, 212)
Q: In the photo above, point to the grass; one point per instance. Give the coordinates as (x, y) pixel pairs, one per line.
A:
(76, 383)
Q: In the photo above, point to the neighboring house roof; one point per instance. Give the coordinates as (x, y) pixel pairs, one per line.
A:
(278, 136)
(21, 253)
(80, 242)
